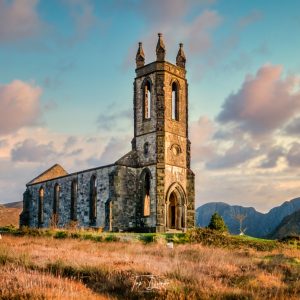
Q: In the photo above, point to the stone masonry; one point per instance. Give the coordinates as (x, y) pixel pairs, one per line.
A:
(149, 189)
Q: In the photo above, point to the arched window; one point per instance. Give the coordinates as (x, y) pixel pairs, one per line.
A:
(147, 100)
(175, 102)
(73, 213)
(146, 149)
(41, 207)
(93, 200)
(146, 203)
(173, 210)
(56, 199)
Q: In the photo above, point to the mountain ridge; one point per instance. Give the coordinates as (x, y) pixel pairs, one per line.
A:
(289, 226)
(256, 223)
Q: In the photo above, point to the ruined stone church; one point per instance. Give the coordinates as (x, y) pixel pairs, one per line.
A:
(151, 188)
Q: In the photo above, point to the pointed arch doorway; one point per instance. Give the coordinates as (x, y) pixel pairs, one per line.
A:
(175, 210)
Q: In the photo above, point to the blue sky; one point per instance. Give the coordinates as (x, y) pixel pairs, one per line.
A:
(66, 89)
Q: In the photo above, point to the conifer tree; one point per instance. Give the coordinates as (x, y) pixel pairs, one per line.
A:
(217, 223)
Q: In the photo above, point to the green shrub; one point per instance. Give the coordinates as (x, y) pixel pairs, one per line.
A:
(147, 237)
(61, 235)
(111, 238)
(216, 238)
(97, 238)
(75, 235)
(217, 223)
(9, 229)
(87, 236)
(180, 238)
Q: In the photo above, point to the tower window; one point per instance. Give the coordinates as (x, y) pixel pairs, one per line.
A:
(147, 101)
(41, 207)
(93, 200)
(73, 213)
(146, 149)
(56, 199)
(175, 102)
(147, 195)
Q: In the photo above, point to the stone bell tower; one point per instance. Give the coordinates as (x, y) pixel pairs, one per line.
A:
(161, 136)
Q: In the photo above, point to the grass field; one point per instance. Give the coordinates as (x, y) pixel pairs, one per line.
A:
(202, 265)
(9, 215)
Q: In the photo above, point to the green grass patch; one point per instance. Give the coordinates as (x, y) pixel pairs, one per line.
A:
(204, 236)
(147, 237)
(61, 235)
(177, 238)
(111, 238)
(210, 237)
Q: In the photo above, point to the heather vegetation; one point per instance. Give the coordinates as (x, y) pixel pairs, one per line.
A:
(202, 264)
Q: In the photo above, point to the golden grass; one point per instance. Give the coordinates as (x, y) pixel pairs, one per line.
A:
(9, 215)
(20, 283)
(69, 268)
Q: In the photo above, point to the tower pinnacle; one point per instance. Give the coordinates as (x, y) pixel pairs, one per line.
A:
(180, 58)
(140, 56)
(160, 49)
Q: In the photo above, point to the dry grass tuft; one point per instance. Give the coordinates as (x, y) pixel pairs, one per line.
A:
(21, 283)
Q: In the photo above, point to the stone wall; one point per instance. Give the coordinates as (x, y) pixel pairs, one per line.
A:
(64, 207)
(127, 199)
(119, 189)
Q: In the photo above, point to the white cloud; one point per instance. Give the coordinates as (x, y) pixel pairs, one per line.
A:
(20, 105)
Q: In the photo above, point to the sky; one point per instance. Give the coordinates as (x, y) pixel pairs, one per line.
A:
(66, 90)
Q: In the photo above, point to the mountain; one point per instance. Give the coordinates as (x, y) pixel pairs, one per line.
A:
(289, 226)
(256, 223)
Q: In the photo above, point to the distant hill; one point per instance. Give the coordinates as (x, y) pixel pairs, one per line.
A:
(18, 204)
(289, 226)
(257, 224)
(9, 213)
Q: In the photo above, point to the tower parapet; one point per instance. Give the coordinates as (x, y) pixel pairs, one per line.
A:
(160, 49)
(140, 56)
(180, 58)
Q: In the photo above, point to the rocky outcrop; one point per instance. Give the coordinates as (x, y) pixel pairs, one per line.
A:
(289, 226)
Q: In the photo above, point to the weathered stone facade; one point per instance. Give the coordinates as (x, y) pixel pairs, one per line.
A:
(151, 188)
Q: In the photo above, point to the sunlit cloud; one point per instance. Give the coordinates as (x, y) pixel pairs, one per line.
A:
(20, 105)
(264, 102)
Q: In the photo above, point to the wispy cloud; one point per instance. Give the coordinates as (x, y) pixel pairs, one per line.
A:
(112, 120)
(84, 18)
(19, 20)
(171, 18)
(252, 17)
(30, 151)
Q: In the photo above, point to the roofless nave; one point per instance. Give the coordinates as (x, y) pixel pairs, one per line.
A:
(151, 188)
